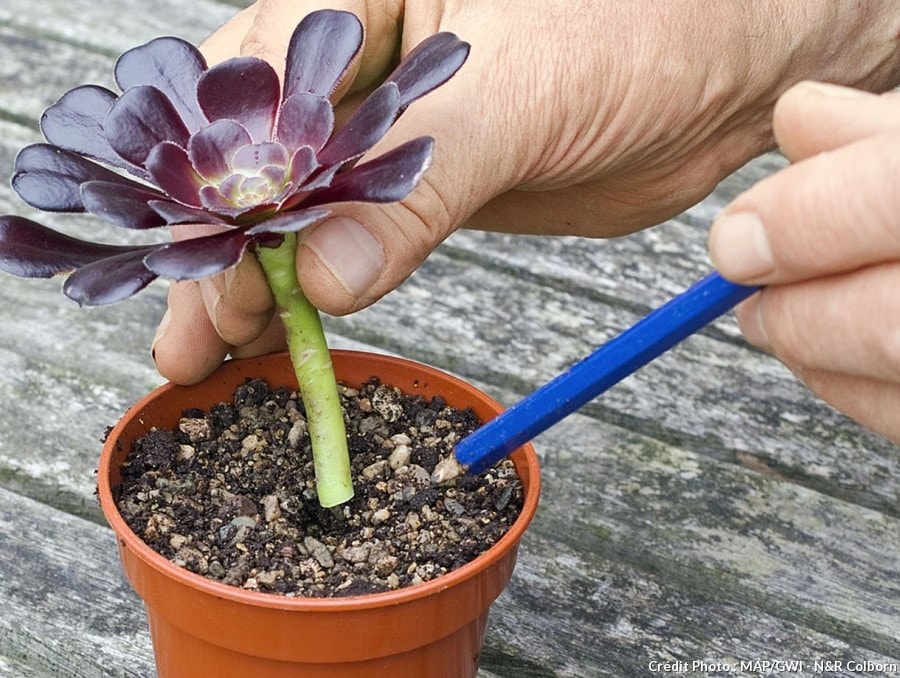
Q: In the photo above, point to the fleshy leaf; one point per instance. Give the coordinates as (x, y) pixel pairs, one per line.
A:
(243, 89)
(199, 257)
(387, 178)
(142, 118)
(428, 65)
(303, 162)
(321, 50)
(172, 66)
(111, 279)
(215, 200)
(75, 123)
(175, 213)
(122, 204)
(212, 148)
(171, 168)
(319, 179)
(50, 178)
(305, 120)
(256, 156)
(290, 222)
(31, 250)
(366, 127)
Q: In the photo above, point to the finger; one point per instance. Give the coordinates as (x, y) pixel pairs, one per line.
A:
(239, 301)
(226, 41)
(187, 347)
(847, 324)
(830, 213)
(871, 402)
(274, 22)
(350, 261)
(235, 326)
(813, 117)
(270, 340)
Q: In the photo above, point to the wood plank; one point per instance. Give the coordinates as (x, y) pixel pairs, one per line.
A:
(112, 28)
(707, 508)
(67, 610)
(643, 270)
(29, 81)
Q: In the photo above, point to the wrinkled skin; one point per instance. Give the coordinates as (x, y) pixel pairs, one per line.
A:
(592, 118)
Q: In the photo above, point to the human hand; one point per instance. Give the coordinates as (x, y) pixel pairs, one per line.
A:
(824, 236)
(565, 119)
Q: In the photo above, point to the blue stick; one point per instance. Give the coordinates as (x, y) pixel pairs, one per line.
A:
(656, 333)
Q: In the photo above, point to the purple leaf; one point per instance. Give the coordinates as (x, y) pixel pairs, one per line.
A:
(305, 120)
(365, 128)
(321, 179)
(175, 213)
(75, 123)
(430, 64)
(122, 204)
(31, 250)
(274, 177)
(172, 66)
(171, 168)
(142, 118)
(320, 52)
(297, 194)
(256, 156)
(199, 257)
(216, 201)
(244, 89)
(112, 279)
(212, 148)
(387, 178)
(50, 178)
(290, 222)
(303, 162)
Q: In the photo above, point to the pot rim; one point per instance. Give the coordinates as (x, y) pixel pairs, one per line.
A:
(525, 459)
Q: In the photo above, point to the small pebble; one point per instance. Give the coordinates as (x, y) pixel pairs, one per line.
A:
(447, 469)
(399, 456)
(271, 508)
(319, 551)
(196, 429)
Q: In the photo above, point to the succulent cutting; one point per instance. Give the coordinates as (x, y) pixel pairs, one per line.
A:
(234, 146)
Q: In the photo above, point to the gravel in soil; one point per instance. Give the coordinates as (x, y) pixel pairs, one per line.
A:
(231, 495)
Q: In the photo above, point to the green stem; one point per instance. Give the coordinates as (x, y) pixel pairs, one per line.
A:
(315, 374)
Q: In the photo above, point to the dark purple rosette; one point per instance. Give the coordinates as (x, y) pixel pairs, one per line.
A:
(227, 145)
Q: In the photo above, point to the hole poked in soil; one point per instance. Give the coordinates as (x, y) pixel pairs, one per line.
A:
(231, 495)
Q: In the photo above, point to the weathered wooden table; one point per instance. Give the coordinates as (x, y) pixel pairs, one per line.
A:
(707, 512)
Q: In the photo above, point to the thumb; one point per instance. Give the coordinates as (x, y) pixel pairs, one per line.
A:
(351, 260)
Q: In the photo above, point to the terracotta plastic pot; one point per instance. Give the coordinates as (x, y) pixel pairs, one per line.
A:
(202, 628)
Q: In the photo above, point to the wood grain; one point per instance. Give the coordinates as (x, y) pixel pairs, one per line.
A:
(708, 508)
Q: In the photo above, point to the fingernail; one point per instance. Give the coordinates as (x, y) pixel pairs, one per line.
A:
(750, 320)
(347, 249)
(160, 332)
(834, 91)
(739, 247)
